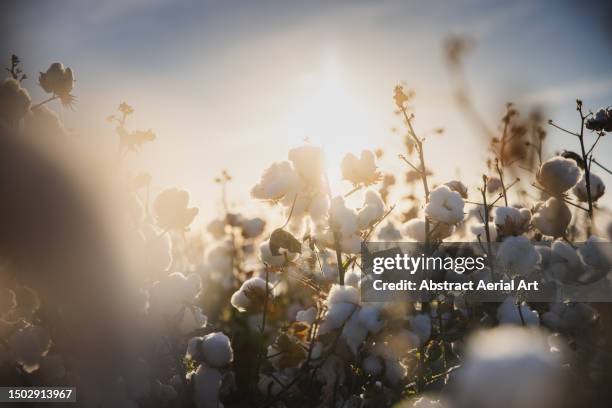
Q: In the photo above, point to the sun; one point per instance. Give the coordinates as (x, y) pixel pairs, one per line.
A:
(329, 112)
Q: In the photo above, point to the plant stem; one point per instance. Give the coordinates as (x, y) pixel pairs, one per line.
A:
(587, 175)
(38, 105)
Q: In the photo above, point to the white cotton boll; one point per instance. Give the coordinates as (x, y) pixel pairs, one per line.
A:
(307, 316)
(252, 227)
(598, 188)
(369, 317)
(373, 209)
(318, 208)
(353, 278)
(421, 326)
(445, 205)
(342, 294)
(28, 345)
(216, 228)
(207, 382)
(563, 262)
(354, 332)
(512, 221)
(508, 313)
(372, 365)
(276, 181)
(552, 217)
(389, 233)
(251, 295)
(275, 260)
(480, 232)
(216, 350)
(516, 255)
(558, 174)
(193, 319)
(342, 219)
(596, 253)
(415, 229)
(309, 163)
(335, 317)
(362, 170)
(459, 187)
(569, 316)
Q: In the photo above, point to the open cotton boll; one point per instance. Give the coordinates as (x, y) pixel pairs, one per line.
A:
(421, 326)
(307, 316)
(353, 278)
(552, 217)
(558, 174)
(343, 219)
(479, 231)
(596, 253)
(276, 181)
(207, 382)
(362, 170)
(445, 205)
(459, 187)
(318, 208)
(389, 233)
(598, 188)
(251, 295)
(309, 163)
(369, 316)
(563, 262)
(373, 209)
(508, 313)
(214, 349)
(342, 294)
(354, 332)
(511, 220)
(517, 256)
(274, 260)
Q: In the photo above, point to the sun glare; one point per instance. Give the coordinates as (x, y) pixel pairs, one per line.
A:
(329, 112)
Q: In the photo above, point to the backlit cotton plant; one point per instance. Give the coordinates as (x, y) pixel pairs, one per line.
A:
(251, 306)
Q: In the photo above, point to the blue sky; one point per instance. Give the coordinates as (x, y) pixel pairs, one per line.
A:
(233, 85)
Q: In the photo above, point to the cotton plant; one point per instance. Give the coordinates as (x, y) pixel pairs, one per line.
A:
(299, 185)
(212, 354)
